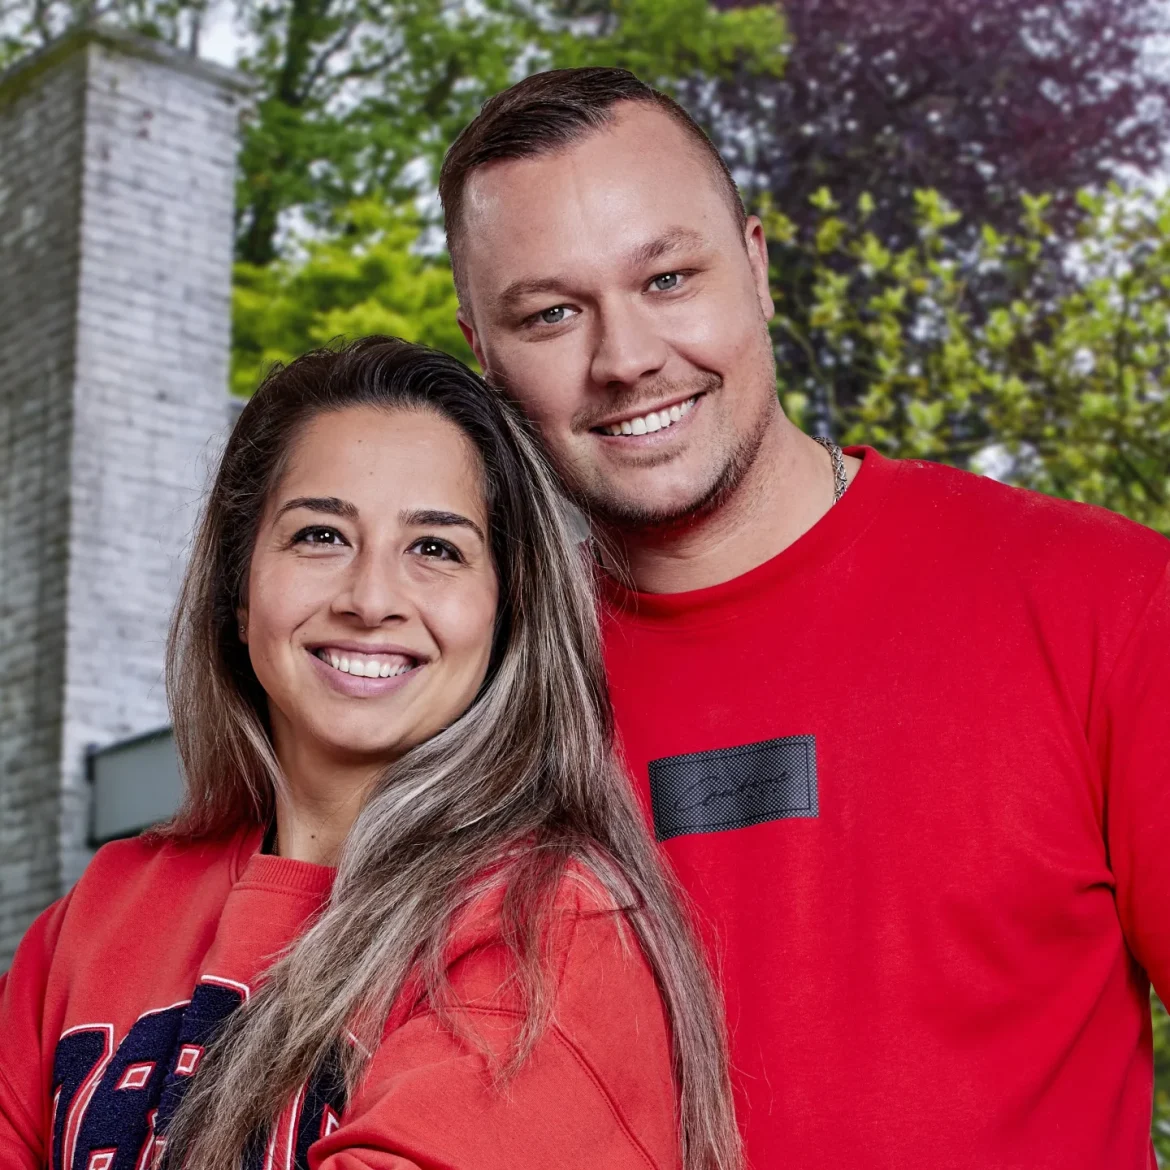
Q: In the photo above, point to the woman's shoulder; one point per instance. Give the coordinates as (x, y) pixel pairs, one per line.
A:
(605, 1004)
(579, 896)
(600, 1070)
(131, 880)
(158, 857)
(588, 945)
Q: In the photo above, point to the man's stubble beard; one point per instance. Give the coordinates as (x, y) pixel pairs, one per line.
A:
(622, 514)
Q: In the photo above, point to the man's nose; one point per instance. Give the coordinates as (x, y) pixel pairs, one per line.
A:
(628, 347)
(376, 590)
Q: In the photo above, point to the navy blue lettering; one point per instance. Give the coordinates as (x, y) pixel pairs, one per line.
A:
(322, 1108)
(77, 1056)
(207, 1012)
(116, 1106)
(117, 1118)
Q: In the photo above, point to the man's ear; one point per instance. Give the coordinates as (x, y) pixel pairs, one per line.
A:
(468, 330)
(757, 250)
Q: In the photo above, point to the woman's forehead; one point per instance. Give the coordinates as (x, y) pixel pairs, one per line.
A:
(408, 456)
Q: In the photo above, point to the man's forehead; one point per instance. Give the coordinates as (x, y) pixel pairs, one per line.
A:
(643, 157)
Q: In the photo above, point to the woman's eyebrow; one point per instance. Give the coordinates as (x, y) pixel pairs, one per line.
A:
(432, 518)
(330, 504)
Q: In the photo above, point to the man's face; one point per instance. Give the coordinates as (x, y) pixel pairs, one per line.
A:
(611, 292)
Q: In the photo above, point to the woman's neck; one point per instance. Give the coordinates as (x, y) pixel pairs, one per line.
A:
(318, 803)
(308, 832)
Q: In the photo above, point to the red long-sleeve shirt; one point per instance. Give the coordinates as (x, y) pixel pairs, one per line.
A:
(117, 989)
(915, 772)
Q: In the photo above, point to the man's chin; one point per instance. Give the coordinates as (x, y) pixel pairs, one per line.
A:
(650, 511)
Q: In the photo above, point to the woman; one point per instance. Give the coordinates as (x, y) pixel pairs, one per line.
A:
(408, 915)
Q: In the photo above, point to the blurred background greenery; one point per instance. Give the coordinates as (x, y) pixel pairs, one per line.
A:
(966, 202)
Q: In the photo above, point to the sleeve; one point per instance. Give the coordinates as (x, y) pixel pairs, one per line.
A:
(597, 1091)
(1134, 741)
(23, 1124)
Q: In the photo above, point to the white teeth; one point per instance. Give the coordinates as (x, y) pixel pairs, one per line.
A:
(655, 420)
(363, 667)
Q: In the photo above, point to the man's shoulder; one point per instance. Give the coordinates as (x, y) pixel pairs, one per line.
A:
(1001, 523)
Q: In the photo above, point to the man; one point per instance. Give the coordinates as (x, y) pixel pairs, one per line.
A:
(903, 731)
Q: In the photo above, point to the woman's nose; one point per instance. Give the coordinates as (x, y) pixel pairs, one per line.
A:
(375, 591)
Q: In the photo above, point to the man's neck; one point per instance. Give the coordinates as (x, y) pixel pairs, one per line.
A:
(788, 488)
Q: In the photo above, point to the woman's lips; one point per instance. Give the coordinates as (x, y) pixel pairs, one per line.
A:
(360, 686)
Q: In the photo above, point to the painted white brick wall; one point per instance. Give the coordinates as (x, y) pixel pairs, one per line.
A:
(116, 185)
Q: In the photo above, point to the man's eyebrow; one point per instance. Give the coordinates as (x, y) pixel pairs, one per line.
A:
(330, 504)
(519, 289)
(671, 240)
(433, 518)
(663, 245)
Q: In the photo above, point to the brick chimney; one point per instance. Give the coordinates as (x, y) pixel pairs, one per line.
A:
(116, 183)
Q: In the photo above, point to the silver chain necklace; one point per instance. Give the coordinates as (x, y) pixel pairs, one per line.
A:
(840, 479)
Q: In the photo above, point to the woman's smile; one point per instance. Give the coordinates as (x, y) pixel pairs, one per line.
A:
(365, 673)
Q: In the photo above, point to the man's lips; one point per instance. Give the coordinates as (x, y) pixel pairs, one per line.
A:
(650, 422)
(644, 412)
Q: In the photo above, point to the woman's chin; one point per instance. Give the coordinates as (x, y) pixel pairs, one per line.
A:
(370, 749)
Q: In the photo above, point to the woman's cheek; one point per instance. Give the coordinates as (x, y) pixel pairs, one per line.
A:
(467, 626)
(280, 602)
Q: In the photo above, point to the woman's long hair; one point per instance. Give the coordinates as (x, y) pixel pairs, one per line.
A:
(521, 785)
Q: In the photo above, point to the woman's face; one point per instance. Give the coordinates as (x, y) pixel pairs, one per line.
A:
(371, 597)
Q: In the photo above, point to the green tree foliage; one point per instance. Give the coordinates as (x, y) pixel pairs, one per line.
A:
(1161, 1080)
(1071, 385)
(28, 25)
(369, 277)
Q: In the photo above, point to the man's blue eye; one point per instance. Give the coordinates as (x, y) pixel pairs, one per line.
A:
(666, 281)
(553, 316)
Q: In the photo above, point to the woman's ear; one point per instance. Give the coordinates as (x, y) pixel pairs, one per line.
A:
(242, 628)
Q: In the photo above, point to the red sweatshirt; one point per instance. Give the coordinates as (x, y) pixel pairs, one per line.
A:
(915, 772)
(117, 989)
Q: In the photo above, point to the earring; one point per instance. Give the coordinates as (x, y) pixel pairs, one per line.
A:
(243, 629)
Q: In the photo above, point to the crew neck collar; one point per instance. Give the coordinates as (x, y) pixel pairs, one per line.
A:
(836, 530)
(298, 877)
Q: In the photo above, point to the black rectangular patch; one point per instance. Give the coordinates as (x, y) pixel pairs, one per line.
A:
(731, 788)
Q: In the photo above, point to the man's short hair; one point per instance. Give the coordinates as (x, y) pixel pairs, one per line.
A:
(548, 112)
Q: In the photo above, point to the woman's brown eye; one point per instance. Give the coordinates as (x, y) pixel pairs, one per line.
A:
(317, 536)
(437, 549)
